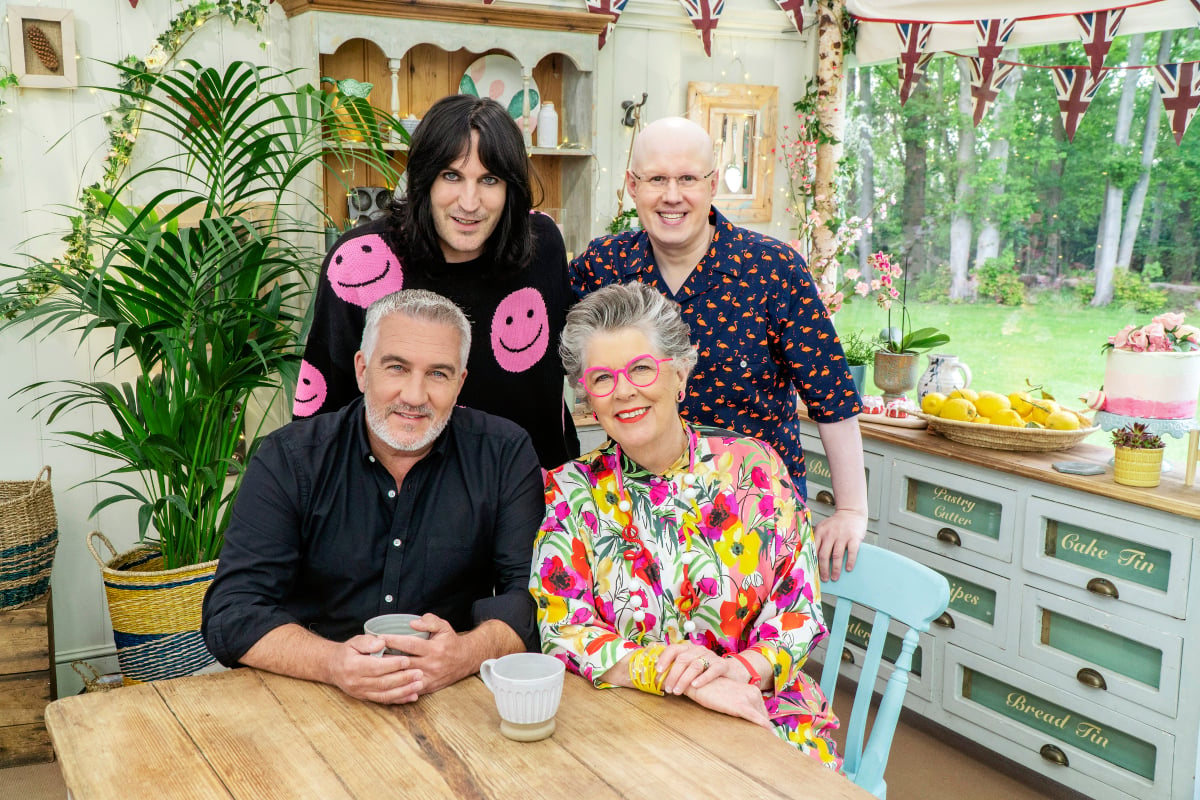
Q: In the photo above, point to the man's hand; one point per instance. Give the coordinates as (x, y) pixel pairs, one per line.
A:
(735, 699)
(442, 659)
(838, 537)
(390, 679)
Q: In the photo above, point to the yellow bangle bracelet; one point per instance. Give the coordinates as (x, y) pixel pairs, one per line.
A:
(643, 672)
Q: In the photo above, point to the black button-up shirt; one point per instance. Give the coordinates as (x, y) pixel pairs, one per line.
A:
(321, 537)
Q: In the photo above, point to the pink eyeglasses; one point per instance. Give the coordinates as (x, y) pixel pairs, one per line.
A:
(641, 371)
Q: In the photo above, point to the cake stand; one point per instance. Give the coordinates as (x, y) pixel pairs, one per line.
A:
(1177, 428)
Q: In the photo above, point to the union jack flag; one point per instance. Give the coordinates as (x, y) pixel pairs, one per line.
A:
(914, 38)
(1180, 85)
(992, 35)
(985, 89)
(704, 15)
(1196, 3)
(795, 12)
(613, 7)
(1076, 86)
(1097, 30)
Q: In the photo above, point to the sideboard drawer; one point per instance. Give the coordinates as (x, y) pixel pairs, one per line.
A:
(1103, 749)
(820, 480)
(858, 636)
(1136, 664)
(980, 602)
(1117, 560)
(953, 514)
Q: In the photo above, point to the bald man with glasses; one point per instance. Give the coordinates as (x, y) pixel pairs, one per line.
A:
(764, 338)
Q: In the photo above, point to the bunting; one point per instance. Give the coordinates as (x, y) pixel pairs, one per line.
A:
(613, 7)
(1076, 86)
(985, 88)
(992, 35)
(1180, 93)
(794, 9)
(1097, 30)
(704, 15)
(914, 38)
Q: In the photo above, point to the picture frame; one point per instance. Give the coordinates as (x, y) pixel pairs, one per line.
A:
(42, 43)
(741, 119)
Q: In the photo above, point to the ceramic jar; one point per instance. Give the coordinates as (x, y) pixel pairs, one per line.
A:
(944, 374)
(547, 126)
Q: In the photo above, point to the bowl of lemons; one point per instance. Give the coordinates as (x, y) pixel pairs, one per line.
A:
(1015, 421)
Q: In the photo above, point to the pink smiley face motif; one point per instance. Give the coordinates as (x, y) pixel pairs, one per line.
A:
(363, 270)
(310, 391)
(520, 330)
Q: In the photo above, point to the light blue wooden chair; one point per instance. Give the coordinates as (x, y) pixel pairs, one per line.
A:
(897, 588)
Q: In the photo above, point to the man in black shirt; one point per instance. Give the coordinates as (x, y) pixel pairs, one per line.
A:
(399, 502)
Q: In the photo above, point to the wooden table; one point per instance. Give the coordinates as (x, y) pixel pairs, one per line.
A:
(251, 734)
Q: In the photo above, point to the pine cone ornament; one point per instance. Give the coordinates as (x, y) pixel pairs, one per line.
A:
(41, 45)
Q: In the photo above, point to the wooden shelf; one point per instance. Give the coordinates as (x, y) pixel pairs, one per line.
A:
(464, 13)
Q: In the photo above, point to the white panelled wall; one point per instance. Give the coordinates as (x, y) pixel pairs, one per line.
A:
(52, 142)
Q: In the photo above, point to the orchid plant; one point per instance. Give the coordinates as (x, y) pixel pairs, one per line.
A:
(903, 338)
(1165, 333)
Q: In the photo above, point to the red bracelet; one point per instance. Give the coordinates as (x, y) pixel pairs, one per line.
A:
(754, 676)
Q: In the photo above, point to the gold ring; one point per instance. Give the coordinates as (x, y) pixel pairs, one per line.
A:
(704, 665)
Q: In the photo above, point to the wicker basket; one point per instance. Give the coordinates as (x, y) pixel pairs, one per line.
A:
(155, 612)
(28, 539)
(1003, 437)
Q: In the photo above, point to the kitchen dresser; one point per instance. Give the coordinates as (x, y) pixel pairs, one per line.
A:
(1066, 645)
(414, 53)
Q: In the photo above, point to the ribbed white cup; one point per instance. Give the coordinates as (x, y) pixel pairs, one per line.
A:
(527, 686)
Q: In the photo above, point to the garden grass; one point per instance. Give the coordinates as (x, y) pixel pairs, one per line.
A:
(1053, 342)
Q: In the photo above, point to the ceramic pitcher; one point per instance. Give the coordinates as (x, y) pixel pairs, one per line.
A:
(945, 374)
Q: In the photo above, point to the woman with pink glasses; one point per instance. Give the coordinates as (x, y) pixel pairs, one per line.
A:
(676, 559)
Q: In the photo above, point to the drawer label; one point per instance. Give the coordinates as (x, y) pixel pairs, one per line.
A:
(1103, 648)
(954, 509)
(971, 599)
(1120, 558)
(816, 466)
(858, 632)
(1111, 744)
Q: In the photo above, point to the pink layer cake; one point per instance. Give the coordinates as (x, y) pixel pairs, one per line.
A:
(1152, 385)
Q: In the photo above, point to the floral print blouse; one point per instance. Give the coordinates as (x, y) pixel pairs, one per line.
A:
(717, 550)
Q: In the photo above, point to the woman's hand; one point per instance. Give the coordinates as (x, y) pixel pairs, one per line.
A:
(735, 699)
(689, 665)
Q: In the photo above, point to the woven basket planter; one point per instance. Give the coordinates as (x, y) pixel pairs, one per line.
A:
(28, 539)
(155, 612)
(1137, 466)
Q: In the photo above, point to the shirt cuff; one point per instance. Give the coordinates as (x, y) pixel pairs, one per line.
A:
(515, 609)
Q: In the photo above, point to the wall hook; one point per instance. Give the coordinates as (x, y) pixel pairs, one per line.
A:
(632, 110)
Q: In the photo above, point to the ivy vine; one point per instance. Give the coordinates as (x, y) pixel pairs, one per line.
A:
(122, 124)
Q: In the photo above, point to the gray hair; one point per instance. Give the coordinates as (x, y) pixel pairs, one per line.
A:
(631, 305)
(421, 305)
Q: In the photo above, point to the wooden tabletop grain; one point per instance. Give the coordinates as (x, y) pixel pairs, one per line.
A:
(251, 734)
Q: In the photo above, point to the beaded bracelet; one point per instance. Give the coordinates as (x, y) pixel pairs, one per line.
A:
(643, 669)
(754, 676)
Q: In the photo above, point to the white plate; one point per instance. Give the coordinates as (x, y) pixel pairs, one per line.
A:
(499, 77)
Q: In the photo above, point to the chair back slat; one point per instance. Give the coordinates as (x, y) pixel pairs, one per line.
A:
(888, 586)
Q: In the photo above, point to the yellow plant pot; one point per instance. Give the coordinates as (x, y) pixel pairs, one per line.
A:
(1135, 466)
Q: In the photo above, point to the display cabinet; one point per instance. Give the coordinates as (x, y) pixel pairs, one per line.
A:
(415, 52)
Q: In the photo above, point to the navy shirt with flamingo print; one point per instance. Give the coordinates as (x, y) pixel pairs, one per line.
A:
(762, 333)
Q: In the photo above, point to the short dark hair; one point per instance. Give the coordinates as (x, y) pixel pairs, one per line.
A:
(443, 137)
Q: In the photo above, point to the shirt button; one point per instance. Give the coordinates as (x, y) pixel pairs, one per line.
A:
(391, 492)
(371, 459)
(395, 542)
(387, 598)
(743, 362)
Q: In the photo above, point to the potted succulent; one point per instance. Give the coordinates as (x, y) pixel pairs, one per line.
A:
(896, 369)
(194, 298)
(1138, 457)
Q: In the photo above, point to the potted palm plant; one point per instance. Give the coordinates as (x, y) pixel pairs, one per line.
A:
(1137, 460)
(198, 293)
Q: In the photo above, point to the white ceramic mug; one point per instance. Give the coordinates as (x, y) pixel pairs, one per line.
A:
(527, 688)
(393, 624)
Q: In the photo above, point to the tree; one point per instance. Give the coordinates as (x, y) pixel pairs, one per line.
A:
(993, 201)
(1137, 199)
(960, 217)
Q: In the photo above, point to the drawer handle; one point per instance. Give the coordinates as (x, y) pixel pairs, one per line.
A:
(847, 656)
(1089, 677)
(1103, 587)
(949, 536)
(825, 496)
(945, 620)
(1054, 755)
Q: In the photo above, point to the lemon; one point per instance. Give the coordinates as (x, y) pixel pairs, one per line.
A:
(1042, 409)
(1062, 420)
(958, 408)
(1008, 418)
(1021, 402)
(991, 403)
(982, 420)
(964, 394)
(932, 403)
